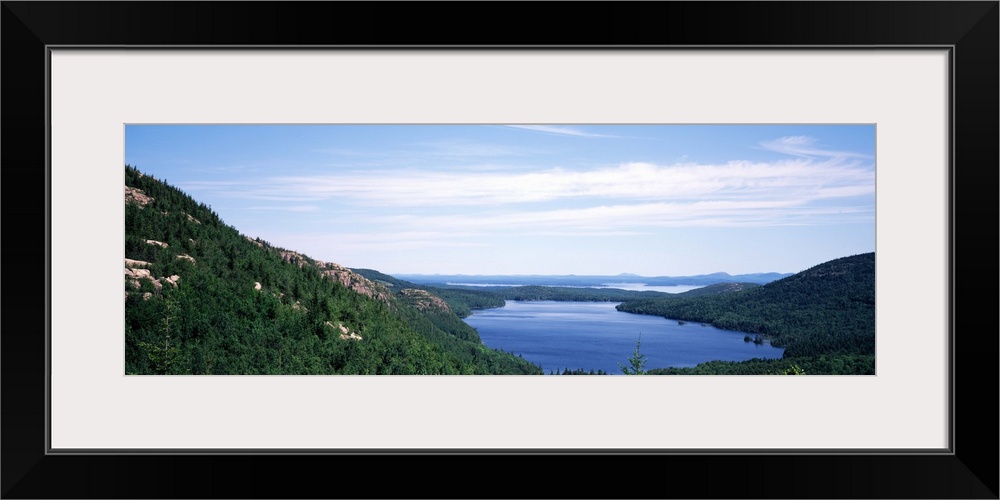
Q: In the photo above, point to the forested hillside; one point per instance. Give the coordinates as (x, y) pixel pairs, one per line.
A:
(200, 298)
(461, 301)
(823, 316)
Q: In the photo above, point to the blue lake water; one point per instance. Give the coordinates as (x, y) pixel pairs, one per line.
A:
(594, 335)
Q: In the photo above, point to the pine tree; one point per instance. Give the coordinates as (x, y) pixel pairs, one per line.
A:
(636, 361)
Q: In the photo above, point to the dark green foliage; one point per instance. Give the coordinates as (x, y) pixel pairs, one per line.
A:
(461, 300)
(580, 371)
(636, 362)
(717, 289)
(833, 364)
(216, 322)
(828, 310)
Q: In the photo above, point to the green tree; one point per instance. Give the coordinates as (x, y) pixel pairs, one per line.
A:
(794, 370)
(637, 361)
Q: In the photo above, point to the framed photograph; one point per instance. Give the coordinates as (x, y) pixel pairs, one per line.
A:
(95, 87)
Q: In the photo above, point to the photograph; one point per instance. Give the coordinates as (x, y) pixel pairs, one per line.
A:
(489, 249)
(306, 195)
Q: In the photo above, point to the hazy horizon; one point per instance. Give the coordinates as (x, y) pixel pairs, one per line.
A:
(618, 275)
(649, 200)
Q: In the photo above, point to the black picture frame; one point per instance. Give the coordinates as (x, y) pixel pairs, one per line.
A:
(970, 29)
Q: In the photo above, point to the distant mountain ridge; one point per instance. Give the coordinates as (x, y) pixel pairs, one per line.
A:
(592, 280)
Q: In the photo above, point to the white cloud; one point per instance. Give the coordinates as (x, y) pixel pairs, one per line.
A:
(334, 243)
(805, 146)
(626, 219)
(634, 181)
(551, 129)
(630, 197)
(293, 208)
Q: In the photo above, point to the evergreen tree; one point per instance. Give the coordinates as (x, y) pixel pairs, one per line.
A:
(637, 361)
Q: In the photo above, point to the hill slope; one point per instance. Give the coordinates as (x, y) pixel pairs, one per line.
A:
(200, 298)
(827, 310)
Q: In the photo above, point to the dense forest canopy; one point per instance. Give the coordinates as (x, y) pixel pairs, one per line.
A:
(824, 317)
(203, 299)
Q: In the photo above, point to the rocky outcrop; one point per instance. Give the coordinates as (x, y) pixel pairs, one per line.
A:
(293, 257)
(345, 333)
(424, 300)
(186, 257)
(350, 279)
(192, 219)
(357, 282)
(135, 270)
(132, 264)
(138, 273)
(136, 196)
(132, 278)
(351, 336)
(157, 243)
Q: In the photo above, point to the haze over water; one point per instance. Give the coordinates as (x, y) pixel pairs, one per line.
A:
(637, 287)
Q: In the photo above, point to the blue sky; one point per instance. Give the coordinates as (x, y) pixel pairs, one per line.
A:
(655, 200)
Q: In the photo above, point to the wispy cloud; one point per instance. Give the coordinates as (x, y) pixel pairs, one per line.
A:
(411, 207)
(557, 197)
(631, 181)
(558, 130)
(465, 149)
(364, 241)
(632, 218)
(806, 147)
(293, 208)
(441, 154)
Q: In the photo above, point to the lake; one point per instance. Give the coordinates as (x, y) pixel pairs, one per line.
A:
(594, 335)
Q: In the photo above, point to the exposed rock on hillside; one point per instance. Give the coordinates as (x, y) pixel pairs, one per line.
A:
(358, 283)
(345, 333)
(135, 270)
(134, 275)
(247, 307)
(350, 279)
(424, 300)
(292, 257)
(134, 195)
